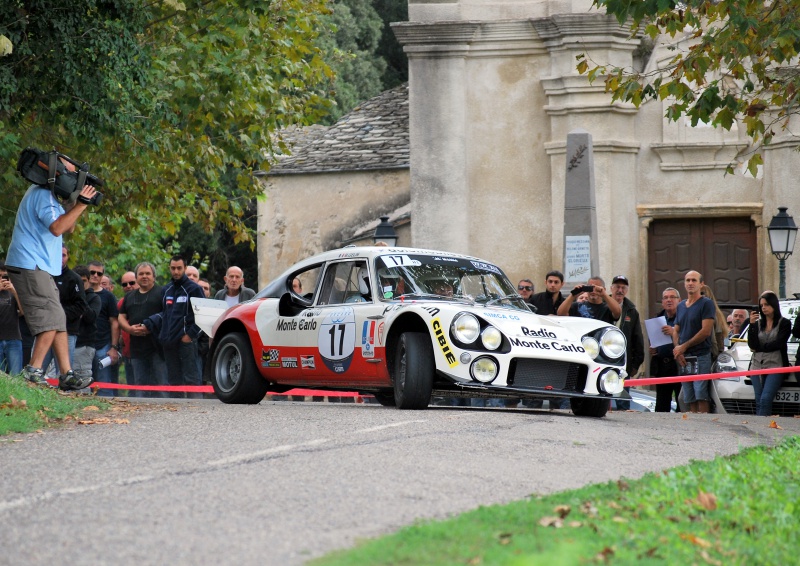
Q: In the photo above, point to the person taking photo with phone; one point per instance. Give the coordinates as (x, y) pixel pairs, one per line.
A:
(767, 337)
(599, 305)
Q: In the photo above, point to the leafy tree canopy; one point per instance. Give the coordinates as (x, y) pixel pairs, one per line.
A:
(162, 98)
(350, 47)
(740, 62)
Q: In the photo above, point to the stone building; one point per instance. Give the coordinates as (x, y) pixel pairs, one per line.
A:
(493, 93)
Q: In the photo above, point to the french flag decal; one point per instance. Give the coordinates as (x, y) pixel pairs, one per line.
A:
(368, 339)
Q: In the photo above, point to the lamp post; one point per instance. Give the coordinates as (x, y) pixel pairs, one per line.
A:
(782, 233)
(385, 232)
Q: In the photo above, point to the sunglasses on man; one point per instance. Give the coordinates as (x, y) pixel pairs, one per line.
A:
(525, 288)
(128, 283)
(93, 272)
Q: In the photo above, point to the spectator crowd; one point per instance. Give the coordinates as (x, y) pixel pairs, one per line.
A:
(146, 337)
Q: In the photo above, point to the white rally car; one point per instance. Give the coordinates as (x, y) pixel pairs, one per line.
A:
(735, 394)
(404, 325)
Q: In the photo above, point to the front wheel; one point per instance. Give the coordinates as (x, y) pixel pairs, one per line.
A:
(413, 371)
(584, 407)
(236, 379)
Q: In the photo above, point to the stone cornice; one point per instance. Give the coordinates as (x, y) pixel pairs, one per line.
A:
(579, 28)
(599, 146)
(697, 156)
(555, 32)
(649, 212)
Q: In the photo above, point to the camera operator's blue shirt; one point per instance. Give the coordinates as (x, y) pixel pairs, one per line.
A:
(32, 244)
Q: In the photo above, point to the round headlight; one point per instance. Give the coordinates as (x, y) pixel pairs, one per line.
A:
(483, 370)
(611, 382)
(591, 346)
(491, 338)
(466, 328)
(613, 343)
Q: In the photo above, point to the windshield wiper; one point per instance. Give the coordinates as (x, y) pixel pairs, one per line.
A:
(433, 296)
(503, 298)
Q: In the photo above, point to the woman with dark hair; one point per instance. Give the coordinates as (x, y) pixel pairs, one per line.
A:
(767, 337)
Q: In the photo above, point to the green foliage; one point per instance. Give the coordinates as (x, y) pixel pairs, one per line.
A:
(161, 98)
(26, 408)
(389, 48)
(741, 509)
(736, 65)
(350, 46)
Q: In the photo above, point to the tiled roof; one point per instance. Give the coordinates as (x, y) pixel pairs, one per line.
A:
(373, 136)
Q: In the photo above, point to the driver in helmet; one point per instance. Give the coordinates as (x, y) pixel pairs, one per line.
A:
(441, 287)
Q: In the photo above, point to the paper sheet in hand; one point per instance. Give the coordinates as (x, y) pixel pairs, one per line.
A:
(654, 334)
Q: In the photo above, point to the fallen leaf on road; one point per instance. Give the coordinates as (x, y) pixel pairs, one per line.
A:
(773, 424)
(685, 416)
(90, 408)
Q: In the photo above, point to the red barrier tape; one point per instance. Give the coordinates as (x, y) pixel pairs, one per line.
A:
(681, 378)
(207, 389)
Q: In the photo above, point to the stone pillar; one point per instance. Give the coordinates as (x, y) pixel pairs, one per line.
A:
(581, 259)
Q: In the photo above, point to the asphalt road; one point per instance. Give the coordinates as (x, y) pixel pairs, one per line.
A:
(199, 482)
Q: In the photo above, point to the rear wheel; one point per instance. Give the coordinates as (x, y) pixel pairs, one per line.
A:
(236, 379)
(584, 407)
(413, 371)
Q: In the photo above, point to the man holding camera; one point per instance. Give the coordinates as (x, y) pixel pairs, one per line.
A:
(34, 258)
(599, 305)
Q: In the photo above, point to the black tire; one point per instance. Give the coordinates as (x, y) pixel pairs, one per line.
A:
(584, 407)
(413, 371)
(385, 398)
(235, 377)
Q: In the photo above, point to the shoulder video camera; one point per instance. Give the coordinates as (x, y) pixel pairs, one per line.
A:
(47, 170)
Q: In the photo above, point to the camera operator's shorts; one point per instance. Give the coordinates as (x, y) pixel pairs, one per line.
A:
(38, 296)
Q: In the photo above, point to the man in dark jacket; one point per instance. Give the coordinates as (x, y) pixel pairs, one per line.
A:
(87, 330)
(177, 332)
(632, 329)
(73, 301)
(662, 362)
(234, 291)
(547, 302)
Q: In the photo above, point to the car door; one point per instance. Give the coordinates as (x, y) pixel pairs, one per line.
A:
(341, 349)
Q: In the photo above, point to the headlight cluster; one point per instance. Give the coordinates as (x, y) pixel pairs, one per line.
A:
(466, 329)
(609, 341)
(725, 363)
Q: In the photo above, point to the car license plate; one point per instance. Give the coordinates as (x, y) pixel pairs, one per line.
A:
(787, 396)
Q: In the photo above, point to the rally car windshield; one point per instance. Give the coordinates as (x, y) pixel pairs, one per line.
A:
(415, 276)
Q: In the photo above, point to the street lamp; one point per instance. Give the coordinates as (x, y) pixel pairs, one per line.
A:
(385, 232)
(782, 233)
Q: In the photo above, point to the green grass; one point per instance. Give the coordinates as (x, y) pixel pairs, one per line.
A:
(26, 408)
(741, 509)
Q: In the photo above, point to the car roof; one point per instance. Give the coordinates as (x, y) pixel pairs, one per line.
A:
(375, 251)
(277, 286)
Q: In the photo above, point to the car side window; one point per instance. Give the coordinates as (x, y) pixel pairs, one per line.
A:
(341, 285)
(304, 283)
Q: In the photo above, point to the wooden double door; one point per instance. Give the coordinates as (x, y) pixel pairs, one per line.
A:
(723, 250)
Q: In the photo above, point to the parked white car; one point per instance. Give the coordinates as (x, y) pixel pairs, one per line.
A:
(735, 394)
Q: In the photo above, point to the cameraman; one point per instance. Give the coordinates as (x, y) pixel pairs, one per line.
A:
(34, 258)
